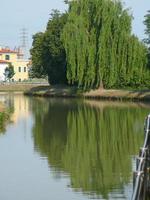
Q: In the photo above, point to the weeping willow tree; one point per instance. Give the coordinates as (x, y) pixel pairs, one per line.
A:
(100, 49)
(147, 39)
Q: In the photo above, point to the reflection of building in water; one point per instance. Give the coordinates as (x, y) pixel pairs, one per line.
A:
(18, 103)
(21, 108)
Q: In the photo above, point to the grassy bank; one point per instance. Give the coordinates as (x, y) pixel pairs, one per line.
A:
(59, 91)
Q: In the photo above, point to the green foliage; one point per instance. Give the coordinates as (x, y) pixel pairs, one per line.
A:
(9, 72)
(92, 46)
(147, 24)
(147, 32)
(48, 54)
(100, 49)
(37, 70)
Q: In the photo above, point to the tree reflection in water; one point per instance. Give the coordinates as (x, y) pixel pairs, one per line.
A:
(91, 143)
(5, 113)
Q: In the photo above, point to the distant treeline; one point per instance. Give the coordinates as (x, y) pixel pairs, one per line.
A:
(92, 46)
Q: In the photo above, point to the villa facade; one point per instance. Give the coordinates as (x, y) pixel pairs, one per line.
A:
(15, 57)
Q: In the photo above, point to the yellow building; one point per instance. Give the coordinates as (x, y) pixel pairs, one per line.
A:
(15, 57)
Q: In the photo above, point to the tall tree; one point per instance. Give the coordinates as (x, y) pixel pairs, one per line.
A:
(38, 69)
(147, 32)
(99, 46)
(56, 61)
(48, 53)
(147, 24)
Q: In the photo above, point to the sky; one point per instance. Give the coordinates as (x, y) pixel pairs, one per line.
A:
(34, 14)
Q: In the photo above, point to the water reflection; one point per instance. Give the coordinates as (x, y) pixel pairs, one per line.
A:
(17, 104)
(91, 142)
(5, 113)
(3, 120)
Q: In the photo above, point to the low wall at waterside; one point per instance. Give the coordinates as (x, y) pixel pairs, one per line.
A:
(8, 87)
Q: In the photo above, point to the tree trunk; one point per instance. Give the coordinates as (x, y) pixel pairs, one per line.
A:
(101, 87)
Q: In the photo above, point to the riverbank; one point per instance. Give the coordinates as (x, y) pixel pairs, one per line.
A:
(58, 91)
(15, 87)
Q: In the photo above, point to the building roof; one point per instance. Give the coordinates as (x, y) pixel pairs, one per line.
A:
(7, 51)
(3, 62)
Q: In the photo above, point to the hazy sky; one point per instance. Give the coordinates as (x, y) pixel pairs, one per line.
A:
(34, 14)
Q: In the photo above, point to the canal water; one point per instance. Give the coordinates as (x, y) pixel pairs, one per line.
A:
(68, 149)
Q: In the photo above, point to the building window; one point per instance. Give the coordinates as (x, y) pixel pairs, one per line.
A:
(19, 69)
(25, 69)
(19, 79)
(7, 57)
